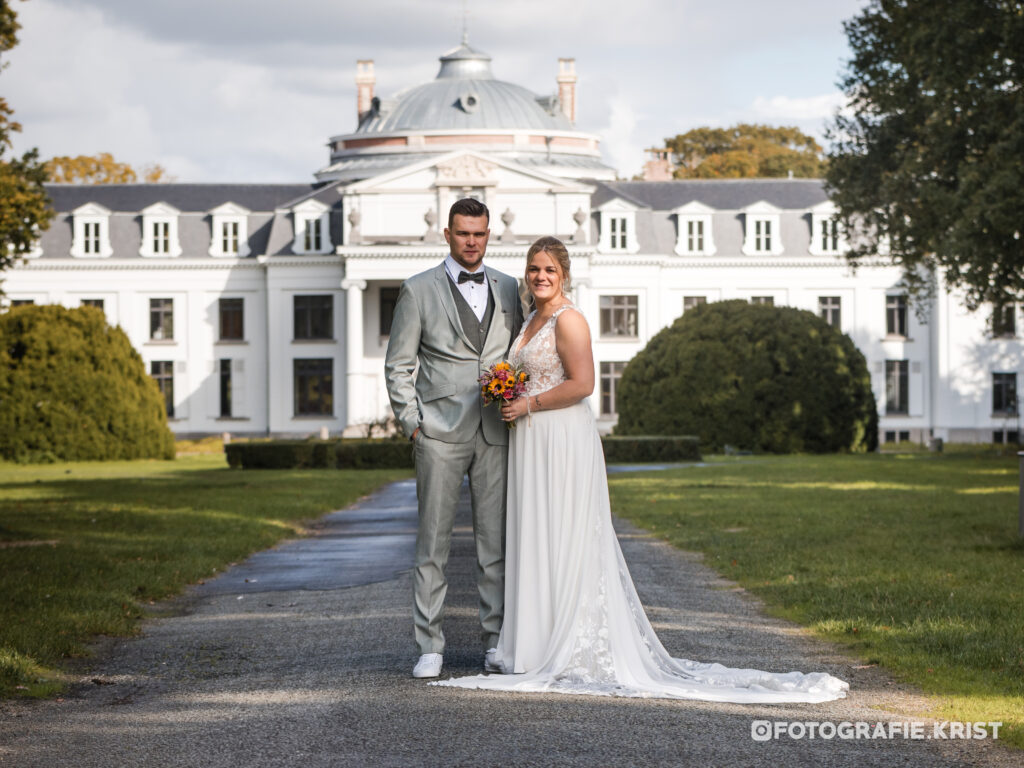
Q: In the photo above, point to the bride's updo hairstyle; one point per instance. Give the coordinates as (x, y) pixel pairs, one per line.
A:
(554, 248)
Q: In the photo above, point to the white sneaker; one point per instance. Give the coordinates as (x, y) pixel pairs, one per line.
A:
(491, 663)
(429, 665)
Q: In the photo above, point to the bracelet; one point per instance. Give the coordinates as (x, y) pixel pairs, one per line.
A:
(539, 406)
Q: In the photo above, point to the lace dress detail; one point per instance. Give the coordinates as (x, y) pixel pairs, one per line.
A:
(573, 620)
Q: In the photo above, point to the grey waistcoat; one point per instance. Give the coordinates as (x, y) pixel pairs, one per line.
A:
(475, 329)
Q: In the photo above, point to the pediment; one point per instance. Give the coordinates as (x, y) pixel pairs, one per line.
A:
(91, 209)
(616, 204)
(694, 208)
(763, 207)
(827, 208)
(229, 209)
(310, 206)
(160, 209)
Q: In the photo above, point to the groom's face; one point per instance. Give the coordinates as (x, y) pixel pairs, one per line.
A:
(467, 239)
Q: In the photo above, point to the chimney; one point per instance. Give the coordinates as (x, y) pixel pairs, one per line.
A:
(567, 87)
(365, 80)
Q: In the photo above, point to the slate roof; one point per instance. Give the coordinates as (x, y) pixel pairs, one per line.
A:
(184, 197)
(721, 194)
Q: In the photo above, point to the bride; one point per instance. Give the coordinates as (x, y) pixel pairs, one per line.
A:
(573, 621)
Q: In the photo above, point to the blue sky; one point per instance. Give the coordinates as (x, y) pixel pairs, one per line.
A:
(228, 90)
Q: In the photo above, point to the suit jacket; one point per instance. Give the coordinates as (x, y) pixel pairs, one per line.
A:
(431, 368)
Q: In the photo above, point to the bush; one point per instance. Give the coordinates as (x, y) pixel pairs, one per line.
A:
(650, 449)
(72, 388)
(321, 454)
(763, 378)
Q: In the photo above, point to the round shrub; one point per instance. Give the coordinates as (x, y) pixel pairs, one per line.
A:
(72, 388)
(756, 377)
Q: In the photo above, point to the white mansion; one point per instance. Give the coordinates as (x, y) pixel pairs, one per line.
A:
(266, 309)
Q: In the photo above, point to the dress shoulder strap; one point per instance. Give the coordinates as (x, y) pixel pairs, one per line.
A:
(561, 309)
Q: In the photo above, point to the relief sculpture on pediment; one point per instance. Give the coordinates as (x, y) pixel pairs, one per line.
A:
(464, 168)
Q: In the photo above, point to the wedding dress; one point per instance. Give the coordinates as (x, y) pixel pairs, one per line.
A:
(573, 622)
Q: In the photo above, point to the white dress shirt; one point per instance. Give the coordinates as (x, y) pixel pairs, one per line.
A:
(474, 294)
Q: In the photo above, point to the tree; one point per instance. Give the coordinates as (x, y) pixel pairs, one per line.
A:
(763, 378)
(72, 388)
(24, 206)
(927, 163)
(101, 169)
(745, 151)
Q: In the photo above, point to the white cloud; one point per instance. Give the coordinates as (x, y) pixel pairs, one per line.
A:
(779, 108)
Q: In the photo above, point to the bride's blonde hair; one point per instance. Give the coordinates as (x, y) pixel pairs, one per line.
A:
(554, 248)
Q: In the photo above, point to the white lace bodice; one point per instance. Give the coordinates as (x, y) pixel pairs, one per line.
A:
(539, 356)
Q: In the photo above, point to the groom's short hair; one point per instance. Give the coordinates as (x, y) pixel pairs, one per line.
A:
(468, 206)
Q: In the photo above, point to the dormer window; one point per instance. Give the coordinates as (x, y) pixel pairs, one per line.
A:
(160, 231)
(617, 226)
(91, 232)
(826, 232)
(762, 236)
(229, 231)
(312, 232)
(694, 236)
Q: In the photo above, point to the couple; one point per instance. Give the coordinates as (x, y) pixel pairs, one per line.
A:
(557, 605)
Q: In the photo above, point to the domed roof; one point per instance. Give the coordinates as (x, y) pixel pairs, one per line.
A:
(465, 95)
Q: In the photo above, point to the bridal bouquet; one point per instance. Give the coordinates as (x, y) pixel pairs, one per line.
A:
(502, 383)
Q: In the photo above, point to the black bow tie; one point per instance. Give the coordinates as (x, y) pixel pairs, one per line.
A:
(476, 277)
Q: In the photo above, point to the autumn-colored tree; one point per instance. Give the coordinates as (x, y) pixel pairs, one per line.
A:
(745, 151)
(24, 207)
(101, 169)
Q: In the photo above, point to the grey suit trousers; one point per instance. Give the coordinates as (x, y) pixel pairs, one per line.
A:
(440, 468)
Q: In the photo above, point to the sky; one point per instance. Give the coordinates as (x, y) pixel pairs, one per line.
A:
(250, 90)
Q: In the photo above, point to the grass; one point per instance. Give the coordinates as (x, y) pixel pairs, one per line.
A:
(86, 548)
(912, 561)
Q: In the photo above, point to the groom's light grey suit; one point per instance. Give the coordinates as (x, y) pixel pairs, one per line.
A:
(437, 350)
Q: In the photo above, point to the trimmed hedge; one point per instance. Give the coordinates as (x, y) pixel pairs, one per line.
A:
(762, 378)
(648, 449)
(397, 454)
(72, 388)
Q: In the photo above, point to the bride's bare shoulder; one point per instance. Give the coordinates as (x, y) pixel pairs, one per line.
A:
(570, 323)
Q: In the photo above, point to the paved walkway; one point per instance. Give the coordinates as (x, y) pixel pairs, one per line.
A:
(301, 657)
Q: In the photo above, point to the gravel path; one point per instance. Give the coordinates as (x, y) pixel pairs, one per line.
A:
(309, 665)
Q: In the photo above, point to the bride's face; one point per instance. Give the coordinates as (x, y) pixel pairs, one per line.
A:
(544, 277)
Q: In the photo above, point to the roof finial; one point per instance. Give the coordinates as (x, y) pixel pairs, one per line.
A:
(465, 22)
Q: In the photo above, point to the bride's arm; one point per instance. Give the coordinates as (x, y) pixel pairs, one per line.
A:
(572, 340)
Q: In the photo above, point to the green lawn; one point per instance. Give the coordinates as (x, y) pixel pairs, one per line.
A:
(85, 548)
(912, 561)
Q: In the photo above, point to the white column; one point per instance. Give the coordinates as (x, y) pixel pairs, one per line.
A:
(355, 410)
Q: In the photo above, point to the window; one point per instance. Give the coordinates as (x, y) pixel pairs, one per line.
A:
(229, 230)
(225, 389)
(229, 238)
(161, 319)
(619, 316)
(896, 387)
(689, 302)
(1004, 321)
(314, 382)
(768, 301)
(762, 235)
(232, 319)
(896, 315)
(161, 237)
(314, 317)
(98, 303)
(617, 225)
(91, 243)
(22, 303)
(890, 436)
(388, 301)
(830, 310)
(829, 235)
(695, 236)
(163, 372)
(1004, 393)
(313, 238)
(1011, 436)
(610, 375)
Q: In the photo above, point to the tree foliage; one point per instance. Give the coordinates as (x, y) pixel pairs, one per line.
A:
(745, 151)
(73, 388)
(763, 378)
(927, 163)
(24, 206)
(101, 169)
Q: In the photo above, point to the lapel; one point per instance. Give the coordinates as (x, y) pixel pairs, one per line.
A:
(497, 320)
(444, 295)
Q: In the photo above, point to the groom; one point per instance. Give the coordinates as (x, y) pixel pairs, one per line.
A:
(454, 321)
